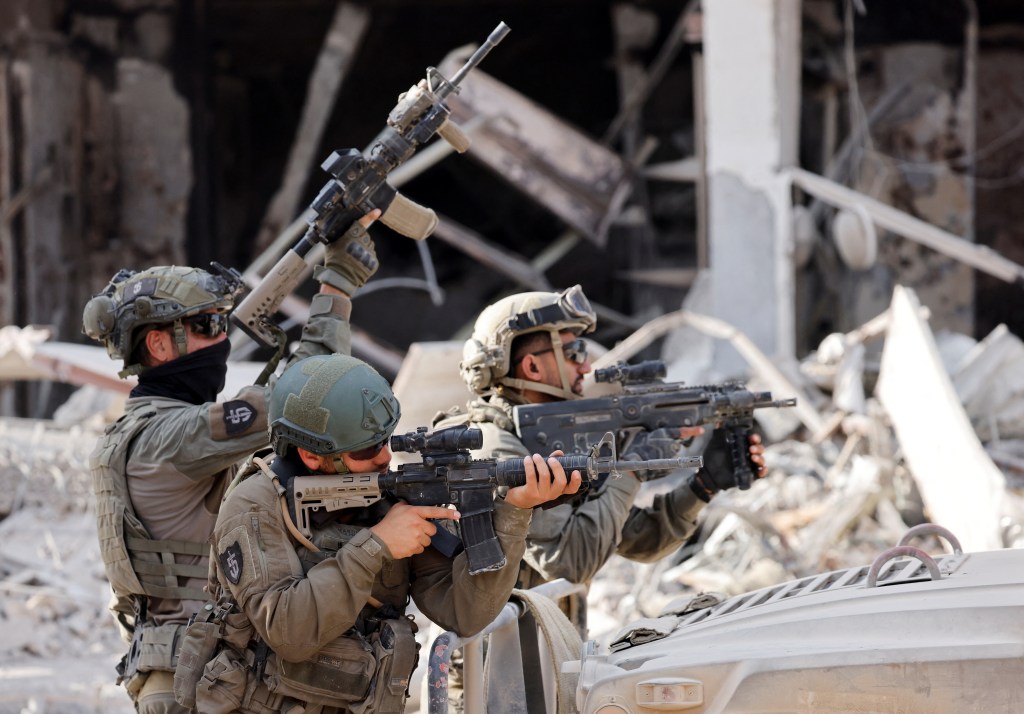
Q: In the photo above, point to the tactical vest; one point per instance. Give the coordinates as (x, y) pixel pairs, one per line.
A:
(136, 564)
(365, 670)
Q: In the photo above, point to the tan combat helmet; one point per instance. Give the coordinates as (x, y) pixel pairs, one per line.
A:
(158, 296)
(486, 355)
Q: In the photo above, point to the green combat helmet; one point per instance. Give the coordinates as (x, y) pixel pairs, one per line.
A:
(328, 404)
(158, 296)
(486, 356)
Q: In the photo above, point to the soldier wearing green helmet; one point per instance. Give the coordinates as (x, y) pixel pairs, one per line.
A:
(320, 621)
(160, 471)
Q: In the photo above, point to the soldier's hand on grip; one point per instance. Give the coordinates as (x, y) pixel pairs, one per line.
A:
(545, 481)
(719, 471)
(352, 259)
(406, 530)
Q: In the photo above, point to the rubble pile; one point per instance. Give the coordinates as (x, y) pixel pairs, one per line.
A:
(58, 648)
(838, 498)
(910, 428)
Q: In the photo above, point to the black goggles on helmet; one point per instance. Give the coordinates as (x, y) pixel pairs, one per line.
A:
(208, 324)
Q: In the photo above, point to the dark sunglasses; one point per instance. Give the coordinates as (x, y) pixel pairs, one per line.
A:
(370, 452)
(575, 351)
(208, 324)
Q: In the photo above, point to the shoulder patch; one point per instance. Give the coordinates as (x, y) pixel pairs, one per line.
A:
(231, 562)
(239, 415)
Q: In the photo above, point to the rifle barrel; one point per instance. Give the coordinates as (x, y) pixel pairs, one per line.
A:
(683, 462)
(496, 36)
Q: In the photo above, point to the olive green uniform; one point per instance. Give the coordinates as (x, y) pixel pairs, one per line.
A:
(311, 608)
(159, 474)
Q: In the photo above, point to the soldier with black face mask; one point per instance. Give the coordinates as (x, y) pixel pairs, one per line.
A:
(161, 470)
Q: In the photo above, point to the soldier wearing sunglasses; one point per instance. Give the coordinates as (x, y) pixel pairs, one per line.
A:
(529, 348)
(319, 617)
(160, 471)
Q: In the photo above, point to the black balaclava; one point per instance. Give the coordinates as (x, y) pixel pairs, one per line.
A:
(197, 377)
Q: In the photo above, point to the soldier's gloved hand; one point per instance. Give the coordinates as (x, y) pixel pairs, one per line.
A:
(719, 472)
(351, 260)
(656, 444)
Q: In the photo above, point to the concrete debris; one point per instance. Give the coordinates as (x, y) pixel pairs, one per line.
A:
(836, 497)
(919, 428)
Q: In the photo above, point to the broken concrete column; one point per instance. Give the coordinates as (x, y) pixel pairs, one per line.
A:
(752, 60)
(156, 162)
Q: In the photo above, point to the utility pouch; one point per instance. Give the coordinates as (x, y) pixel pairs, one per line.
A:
(198, 646)
(159, 651)
(338, 675)
(152, 649)
(396, 651)
(128, 667)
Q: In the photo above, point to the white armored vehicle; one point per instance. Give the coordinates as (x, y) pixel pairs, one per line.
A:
(908, 634)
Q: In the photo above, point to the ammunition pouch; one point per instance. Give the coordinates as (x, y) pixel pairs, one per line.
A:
(153, 649)
(199, 645)
(339, 674)
(365, 674)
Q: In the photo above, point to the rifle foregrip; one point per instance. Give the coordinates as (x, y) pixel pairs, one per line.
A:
(454, 135)
(512, 473)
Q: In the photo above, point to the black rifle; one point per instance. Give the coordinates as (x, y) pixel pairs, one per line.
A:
(645, 404)
(450, 475)
(358, 185)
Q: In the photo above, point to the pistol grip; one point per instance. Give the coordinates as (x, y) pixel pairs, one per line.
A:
(409, 218)
(736, 438)
(454, 135)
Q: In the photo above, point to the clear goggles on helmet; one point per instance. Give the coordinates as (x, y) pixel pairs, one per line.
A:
(574, 351)
(572, 304)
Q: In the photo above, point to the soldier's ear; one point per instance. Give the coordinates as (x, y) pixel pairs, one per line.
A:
(529, 367)
(160, 346)
(311, 460)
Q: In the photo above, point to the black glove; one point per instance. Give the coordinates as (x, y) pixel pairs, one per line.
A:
(349, 261)
(656, 444)
(728, 446)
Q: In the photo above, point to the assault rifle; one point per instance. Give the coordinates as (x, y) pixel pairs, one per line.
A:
(449, 475)
(358, 185)
(645, 404)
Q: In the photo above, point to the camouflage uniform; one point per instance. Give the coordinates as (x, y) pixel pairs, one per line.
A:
(159, 473)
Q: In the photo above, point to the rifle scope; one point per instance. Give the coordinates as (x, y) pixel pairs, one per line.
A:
(454, 438)
(631, 373)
